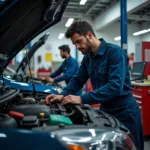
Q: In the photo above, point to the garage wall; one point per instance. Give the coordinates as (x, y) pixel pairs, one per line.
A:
(113, 31)
(145, 37)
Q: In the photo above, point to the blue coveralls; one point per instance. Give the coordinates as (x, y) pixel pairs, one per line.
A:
(109, 74)
(69, 68)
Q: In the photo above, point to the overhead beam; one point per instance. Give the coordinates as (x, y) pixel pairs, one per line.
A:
(140, 6)
(73, 15)
(92, 7)
(101, 5)
(113, 13)
(75, 7)
(139, 18)
(73, 3)
(105, 1)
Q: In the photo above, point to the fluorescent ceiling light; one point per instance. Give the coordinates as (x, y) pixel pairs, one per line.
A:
(117, 38)
(141, 32)
(61, 35)
(69, 22)
(82, 2)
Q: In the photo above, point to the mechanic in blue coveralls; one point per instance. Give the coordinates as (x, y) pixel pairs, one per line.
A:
(106, 65)
(69, 68)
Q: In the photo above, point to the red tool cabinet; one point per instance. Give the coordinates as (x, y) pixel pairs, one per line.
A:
(43, 73)
(141, 93)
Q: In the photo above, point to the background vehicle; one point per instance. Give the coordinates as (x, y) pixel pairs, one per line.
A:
(21, 80)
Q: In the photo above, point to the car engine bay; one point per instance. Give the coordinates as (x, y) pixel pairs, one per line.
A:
(28, 112)
(19, 111)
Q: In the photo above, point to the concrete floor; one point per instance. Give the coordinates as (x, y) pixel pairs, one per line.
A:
(147, 143)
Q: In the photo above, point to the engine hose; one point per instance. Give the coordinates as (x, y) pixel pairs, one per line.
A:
(70, 114)
(9, 96)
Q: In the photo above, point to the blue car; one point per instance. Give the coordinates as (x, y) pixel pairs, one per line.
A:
(26, 122)
(20, 80)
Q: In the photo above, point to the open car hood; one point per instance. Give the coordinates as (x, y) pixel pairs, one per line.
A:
(22, 20)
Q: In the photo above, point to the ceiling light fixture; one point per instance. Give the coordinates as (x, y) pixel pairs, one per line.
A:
(117, 38)
(61, 35)
(69, 22)
(141, 32)
(82, 2)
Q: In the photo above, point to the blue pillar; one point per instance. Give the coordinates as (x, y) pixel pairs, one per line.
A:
(124, 31)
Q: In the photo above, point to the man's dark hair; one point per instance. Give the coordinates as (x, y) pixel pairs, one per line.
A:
(64, 48)
(81, 27)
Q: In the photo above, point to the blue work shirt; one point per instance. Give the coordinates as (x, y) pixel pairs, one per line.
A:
(108, 71)
(69, 67)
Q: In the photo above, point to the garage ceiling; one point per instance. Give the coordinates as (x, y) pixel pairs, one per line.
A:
(92, 8)
(141, 14)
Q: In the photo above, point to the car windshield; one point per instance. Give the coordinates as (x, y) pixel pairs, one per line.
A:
(10, 70)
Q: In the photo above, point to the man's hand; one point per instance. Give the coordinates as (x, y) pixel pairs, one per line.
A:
(54, 98)
(49, 79)
(42, 78)
(72, 99)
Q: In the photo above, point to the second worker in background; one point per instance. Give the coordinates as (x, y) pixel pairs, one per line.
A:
(69, 68)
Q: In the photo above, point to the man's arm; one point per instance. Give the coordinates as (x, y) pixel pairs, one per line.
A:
(70, 70)
(57, 72)
(116, 77)
(77, 81)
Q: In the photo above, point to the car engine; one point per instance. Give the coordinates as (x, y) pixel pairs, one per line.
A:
(19, 111)
(29, 112)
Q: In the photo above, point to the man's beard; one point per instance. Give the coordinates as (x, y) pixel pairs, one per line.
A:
(63, 56)
(88, 46)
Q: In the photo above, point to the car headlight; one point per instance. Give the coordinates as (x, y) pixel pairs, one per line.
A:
(94, 139)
